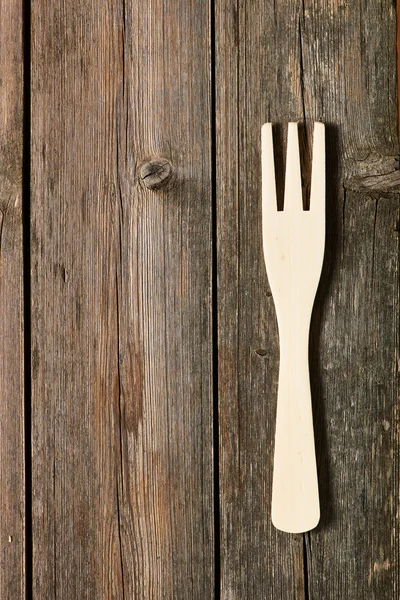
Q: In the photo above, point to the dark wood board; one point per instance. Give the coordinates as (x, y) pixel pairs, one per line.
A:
(12, 439)
(306, 61)
(121, 301)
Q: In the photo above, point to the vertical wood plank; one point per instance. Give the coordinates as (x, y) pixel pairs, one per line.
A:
(306, 61)
(12, 488)
(355, 551)
(256, 560)
(121, 284)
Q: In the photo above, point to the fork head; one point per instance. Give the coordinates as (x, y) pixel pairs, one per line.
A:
(293, 239)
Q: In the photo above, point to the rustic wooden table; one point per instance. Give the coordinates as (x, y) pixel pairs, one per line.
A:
(138, 339)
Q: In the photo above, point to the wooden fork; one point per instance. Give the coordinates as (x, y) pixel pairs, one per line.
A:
(293, 241)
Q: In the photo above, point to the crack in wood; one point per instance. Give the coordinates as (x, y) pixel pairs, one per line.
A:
(301, 66)
(305, 566)
(1, 226)
(120, 427)
(120, 542)
(373, 241)
(343, 219)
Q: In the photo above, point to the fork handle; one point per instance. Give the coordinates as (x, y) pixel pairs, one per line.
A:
(295, 501)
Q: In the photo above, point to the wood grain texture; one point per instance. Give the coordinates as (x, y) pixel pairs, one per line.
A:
(334, 62)
(398, 59)
(12, 475)
(121, 305)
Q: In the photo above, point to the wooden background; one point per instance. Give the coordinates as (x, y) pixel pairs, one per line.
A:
(139, 350)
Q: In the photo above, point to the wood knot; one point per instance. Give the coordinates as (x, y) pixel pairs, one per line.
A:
(156, 173)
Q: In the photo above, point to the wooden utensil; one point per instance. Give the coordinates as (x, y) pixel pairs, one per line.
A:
(293, 241)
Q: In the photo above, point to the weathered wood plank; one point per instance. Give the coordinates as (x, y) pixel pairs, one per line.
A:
(335, 62)
(121, 283)
(12, 486)
(355, 551)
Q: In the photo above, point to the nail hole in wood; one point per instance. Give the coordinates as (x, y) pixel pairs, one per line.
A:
(261, 352)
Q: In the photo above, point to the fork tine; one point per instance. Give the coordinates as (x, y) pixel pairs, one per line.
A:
(317, 194)
(293, 199)
(268, 168)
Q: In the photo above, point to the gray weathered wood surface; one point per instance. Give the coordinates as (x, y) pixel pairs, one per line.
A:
(12, 475)
(121, 304)
(145, 165)
(335, 62)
